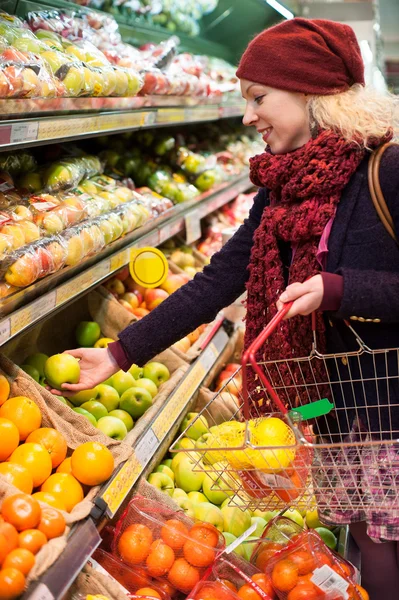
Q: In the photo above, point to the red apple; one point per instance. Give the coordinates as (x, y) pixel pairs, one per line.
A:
(232, 367)
(132, 299)
(139, 295)
(154, 297)
(115, 286)
(233, 387)
(123, 274)
(173, 282)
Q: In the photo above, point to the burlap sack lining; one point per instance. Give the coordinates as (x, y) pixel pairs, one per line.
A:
(91, 581)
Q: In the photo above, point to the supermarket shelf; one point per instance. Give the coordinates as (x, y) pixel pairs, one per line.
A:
(23, 132)
(35, 303)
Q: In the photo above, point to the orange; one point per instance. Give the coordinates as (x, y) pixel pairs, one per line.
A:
(247, 592)
(134, 546)
(92, 463)
(34, 458)
(197, 555)
(32, 539)
(52, 499)
(12, 584)
(174, 533)
(285, 575)
(65, 466)
(53, 441)
(11, 535)
(160, 559)
(149, 592)
(52, 523)
(144, 531)
(18, 476)
(214, 590)
(183, 576)
(24, 413)
(21, 559)
(3, 549)
(304, 561)
(321, 558)
(306, 591)
(267, 552)
(9, 436)
(363, 593)
(66, 487)
(264, 583)
(230, 585)
(205, 533)
(22, 511)
(4, 389)
(165, 586)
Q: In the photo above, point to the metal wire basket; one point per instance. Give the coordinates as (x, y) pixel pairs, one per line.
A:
(346, 460)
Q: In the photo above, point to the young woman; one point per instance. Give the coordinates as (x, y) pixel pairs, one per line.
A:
(312, 236)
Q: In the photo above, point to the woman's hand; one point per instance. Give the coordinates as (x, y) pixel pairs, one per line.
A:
(96, 365)
(307, 297)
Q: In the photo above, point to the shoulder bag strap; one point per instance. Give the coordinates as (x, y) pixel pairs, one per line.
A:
(377, 195)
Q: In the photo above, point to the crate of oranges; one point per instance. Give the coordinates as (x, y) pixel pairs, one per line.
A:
(165, 544)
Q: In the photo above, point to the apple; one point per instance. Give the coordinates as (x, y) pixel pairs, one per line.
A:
(112, 427)
(124, 417)
(265, 515)
(162, 482)
(214, 488)
(115, 286)
(229, 538)
(172, 283)
(179, 493)
(249, 545)
(31, 371)
(186, 477)
(260, 525)
(122, 381)
(38, 361)
(136, 372)
(207, 512)
(83, 396)
(186, 505)
(60, 369)
(103, 342)
(126, 305)
(198, 428)
(197, 497)
(235, 520)
(31, 231)
(157, 372)
(154, 297)
(108, 396)
(136, 401)
(233, 386)
(184, 444)
(94, 407)
(131, 298)
(147, 384)
(165, 469)
(123, 274)
(232, 367)
(87, 333)
(295, 516)
(167, 462)
(85, 413)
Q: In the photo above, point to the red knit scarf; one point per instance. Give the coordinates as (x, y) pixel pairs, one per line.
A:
(305, 187)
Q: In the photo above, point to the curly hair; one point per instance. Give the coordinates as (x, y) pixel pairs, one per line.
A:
(361, 114)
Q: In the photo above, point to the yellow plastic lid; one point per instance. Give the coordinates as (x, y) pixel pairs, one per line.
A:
(148, 267)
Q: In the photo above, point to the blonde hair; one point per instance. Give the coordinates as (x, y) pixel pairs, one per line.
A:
(359, 114)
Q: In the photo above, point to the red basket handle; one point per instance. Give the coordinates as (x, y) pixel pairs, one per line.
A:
(248, 357)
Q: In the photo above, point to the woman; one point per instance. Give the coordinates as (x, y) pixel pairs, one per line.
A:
(312, 236)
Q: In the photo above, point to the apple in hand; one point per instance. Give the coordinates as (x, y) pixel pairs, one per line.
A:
(94, 407)
(136, 401)
(162, 482)
(61, 368)
(147, 384)
(103, 342)
(124, 417)
(186, 477)
(157, 372)
(209, 513)
(197, 429)
(122, 381)
(167, 470)
(108, 396)
(136, 372)
(85, 413)
(112, 427)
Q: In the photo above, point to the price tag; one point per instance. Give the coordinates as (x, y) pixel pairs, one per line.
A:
(193, 226)
(41, 593)
(148, 118)
(171, 115)
(33, 312)
(146, 447)
(122, 483)
(24, 132)
(5, 331)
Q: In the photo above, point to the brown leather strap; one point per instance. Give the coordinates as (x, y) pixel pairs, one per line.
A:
(377, 195)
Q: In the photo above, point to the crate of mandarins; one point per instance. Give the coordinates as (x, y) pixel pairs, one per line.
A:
(277, 534)
(306, 569)
(165, 544)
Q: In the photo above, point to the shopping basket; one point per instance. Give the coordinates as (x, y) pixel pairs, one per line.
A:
(341, 450)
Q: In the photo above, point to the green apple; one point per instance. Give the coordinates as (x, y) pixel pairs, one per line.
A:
(136, 372)
(186, 478)
(197, 429)
(249, 546)
(186, 505)
(108, 396)
(147, 384)
(85, 413)
(167, 462)
(108, 382)
(94, 407)
(197, 497)
(32, 372)
(124, 417)
(184, 444)
(60, 369)
(235, 520)
(83, 396)
(122, 381)
(165, 469)
(328, 537)
(162, 482)
(38, 361)
(214, 488)
(229, 538)
(179, 493)
(136, 401)
(157, 372)
(295, 516)
(260, 525)
(207, 512)
(87, 333)
(112, 427)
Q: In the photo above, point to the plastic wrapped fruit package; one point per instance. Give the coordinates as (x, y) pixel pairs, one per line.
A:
(25, 79)
(17, 162)
(15, 234)
(8, 194)
(155, 203)
(53, 214)
(276, 536)
(166, 544)
(67, 173)
(306, 568)
(92, 237)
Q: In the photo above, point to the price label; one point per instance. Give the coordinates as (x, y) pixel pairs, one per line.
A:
(146, 447)
(41, 593)
(171, 115)
(193, 226)
(5, 331)
(24, 132)
(33, 312)
(148, 118)
(122, 483)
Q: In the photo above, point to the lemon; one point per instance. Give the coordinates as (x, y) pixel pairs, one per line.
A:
(271, 431)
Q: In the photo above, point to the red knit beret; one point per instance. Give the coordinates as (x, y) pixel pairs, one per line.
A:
(304, 55)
